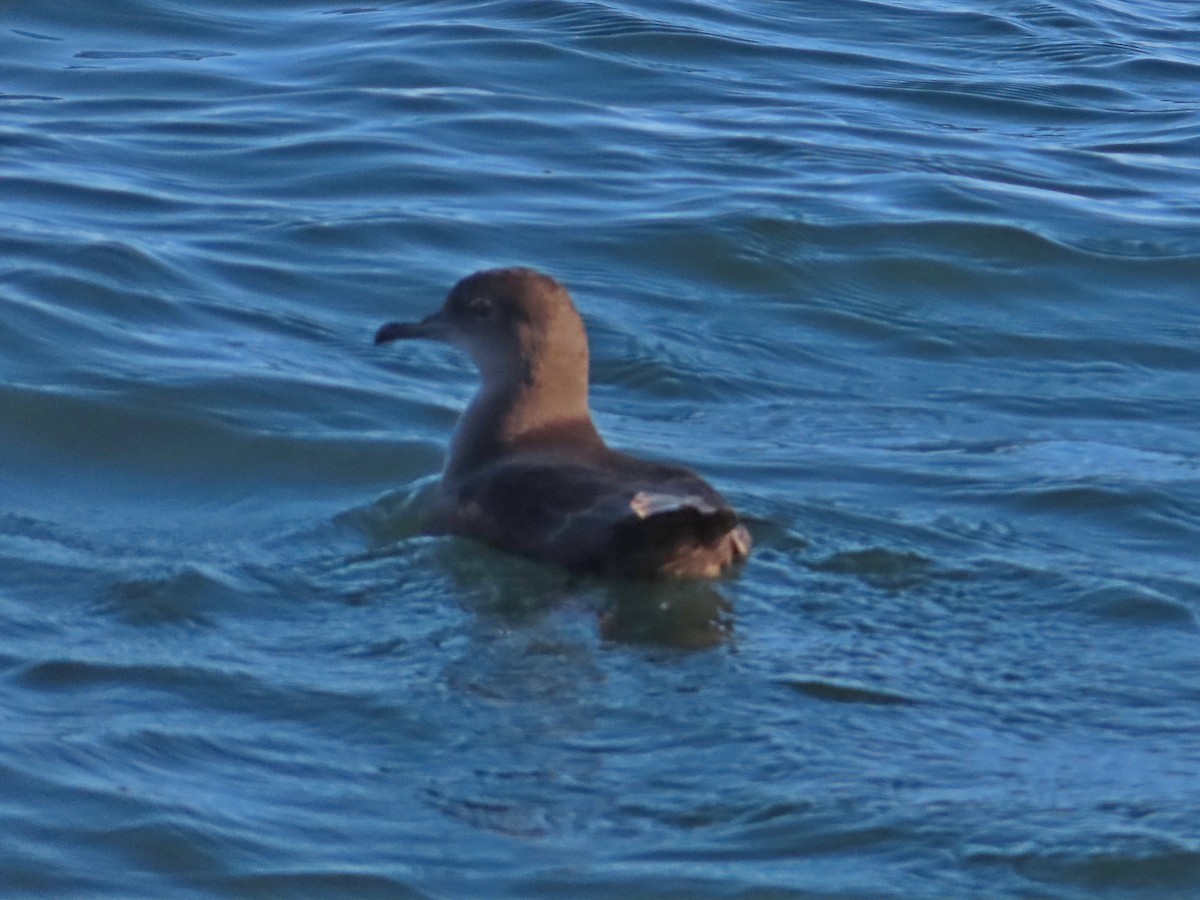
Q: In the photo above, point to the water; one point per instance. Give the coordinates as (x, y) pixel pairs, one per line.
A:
(913, 284)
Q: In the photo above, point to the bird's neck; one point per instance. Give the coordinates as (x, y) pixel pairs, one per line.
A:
(544, 407)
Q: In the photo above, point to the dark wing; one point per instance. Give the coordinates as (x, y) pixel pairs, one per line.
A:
(625, 517)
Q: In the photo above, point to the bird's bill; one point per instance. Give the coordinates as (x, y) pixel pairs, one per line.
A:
(432, 327)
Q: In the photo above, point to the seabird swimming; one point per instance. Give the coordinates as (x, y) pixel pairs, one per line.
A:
(527, 470)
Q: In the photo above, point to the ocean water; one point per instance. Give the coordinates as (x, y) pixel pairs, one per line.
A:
(914, 283)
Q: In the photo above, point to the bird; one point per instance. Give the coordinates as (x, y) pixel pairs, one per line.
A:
(527, 471)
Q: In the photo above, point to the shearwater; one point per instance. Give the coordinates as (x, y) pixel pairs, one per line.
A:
(528, 472)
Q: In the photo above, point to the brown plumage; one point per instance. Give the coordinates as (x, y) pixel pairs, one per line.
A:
(529, 473)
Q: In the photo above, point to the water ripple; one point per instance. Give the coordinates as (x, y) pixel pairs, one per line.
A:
(911, 282)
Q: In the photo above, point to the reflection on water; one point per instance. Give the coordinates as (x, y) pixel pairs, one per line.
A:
(691, 615)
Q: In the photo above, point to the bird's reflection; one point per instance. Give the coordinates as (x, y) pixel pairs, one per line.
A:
(685, 614)
(689, 615)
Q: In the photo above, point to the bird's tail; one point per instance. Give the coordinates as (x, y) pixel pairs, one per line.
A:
(680, 536)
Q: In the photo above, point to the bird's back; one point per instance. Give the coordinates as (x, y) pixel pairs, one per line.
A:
(605, 513)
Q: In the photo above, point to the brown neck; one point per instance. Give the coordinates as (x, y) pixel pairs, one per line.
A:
(542, 408)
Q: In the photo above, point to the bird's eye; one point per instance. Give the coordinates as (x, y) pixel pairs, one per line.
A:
(481, 307)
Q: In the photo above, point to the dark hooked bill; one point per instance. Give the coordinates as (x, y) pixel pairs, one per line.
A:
(433, 326)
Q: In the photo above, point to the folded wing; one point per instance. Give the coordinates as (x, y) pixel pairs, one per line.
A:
(632, 519)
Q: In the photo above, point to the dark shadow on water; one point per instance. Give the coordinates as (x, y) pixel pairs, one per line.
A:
(688, 615)
(683, 614)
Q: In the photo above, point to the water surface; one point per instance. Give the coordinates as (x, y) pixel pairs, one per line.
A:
(914, 284)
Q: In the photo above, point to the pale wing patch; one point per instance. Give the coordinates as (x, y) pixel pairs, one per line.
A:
(646, 504)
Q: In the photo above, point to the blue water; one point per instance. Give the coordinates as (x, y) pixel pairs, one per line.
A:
(914, 284)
